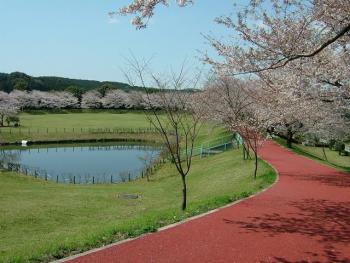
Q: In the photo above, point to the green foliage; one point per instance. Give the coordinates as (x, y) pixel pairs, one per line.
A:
(12, 119)
(339, 146)
(22, 81)
(105, 88)
(20, 84)
(76, 91)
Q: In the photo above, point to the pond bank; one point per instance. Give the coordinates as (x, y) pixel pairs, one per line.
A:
(82, 163)
(67, 141)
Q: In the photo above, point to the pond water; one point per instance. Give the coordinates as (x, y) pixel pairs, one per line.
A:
(81, 163)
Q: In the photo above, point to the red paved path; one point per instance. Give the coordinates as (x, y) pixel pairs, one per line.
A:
(305, 217)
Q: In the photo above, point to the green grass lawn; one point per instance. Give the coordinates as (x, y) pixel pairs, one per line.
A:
(66, 126)
(40, 221)
(75, 126)
(333, 158)
(97, 119)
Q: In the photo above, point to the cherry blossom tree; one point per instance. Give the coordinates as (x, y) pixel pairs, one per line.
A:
(91, 100)
(44, 100)
(275, 34)
(285, 44)
(178, 123)
(253, 127)
(8, 106)
(144, 10)
(330, 123)
(68, 100)
(136, 100)
(229, 100)
(271, 34)
(224, 99)
(115, 99)
(24, 99)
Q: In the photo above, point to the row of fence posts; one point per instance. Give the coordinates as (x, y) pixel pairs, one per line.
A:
(126, 176)
(75, 130)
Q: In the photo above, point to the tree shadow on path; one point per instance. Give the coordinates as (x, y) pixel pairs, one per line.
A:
(337, 179)
(326, 221)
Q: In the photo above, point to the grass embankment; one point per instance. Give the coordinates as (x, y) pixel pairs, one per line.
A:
(66, 126)
(316, 153)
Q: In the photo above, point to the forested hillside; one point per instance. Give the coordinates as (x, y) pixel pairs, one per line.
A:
(22, 81)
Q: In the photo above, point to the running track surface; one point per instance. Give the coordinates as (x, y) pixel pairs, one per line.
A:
(304, 217)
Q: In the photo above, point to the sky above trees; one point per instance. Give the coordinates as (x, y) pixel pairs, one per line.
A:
(78, 39)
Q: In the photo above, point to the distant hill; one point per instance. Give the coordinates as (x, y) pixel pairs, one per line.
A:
(22, 81)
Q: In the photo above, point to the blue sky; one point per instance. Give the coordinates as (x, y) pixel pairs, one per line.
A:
(77, 39)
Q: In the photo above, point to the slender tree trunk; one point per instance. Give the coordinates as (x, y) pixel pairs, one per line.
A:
(243, 149)
(248, 152)
(256, 164)
(184, 192)
(289, 138)
(324, 153)
(2, 120)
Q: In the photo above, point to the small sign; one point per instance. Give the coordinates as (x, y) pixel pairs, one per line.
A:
(347, 148)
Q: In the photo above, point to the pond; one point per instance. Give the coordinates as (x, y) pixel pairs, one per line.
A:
(81, 163)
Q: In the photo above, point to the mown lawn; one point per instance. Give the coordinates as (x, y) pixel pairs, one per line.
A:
(95, 119)
(48, 126)
(333, 158)
(41, 221)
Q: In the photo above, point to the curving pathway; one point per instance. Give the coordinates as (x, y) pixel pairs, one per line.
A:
(305, 217)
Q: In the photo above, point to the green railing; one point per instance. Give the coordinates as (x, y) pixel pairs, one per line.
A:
(217, 145)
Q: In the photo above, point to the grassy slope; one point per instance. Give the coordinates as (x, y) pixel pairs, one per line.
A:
(41, 218)
(334, 159)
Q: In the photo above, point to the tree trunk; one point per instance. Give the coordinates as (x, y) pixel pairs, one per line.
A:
(324, 154)
(184, 192)
(243, 149)
(248, 153)
(256, 164)
(289, 139)
(147, 173)
(2, 120)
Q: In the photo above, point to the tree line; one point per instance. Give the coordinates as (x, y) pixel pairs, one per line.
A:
(22, 81)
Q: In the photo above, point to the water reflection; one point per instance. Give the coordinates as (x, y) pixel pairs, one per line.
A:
(85, 163)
